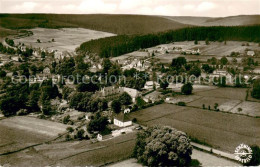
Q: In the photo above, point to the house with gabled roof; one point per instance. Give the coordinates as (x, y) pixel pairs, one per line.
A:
(122, 120)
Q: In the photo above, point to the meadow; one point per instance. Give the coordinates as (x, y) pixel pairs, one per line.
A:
(65, 39)
(20, 132)
(215, 49)
(223, 131)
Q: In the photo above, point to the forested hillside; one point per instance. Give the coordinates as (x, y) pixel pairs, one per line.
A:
(118, 45)
(117, 24)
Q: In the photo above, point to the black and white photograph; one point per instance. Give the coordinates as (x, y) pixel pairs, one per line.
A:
(129, 83)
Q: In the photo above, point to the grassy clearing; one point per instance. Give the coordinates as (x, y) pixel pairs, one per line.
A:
(221, 130)
(228, 93)
(215, 49)
(223, 104)
(66, 39)
(34, 125)
(248, 108)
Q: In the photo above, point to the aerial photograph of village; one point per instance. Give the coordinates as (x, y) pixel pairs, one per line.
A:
(129, 83)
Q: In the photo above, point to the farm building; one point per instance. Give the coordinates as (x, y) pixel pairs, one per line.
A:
(122, 120)
(149, 85)
(132, 92)
(250, 53)
(256, 70)
(101, 137)
(152, 97)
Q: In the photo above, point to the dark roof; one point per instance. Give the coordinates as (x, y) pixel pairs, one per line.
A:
(122, 117)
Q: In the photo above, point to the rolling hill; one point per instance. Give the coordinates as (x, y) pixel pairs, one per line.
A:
(117, 24)
(220, 21)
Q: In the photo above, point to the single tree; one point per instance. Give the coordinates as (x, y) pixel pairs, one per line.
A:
(187, 89)
(207, 41)
(256, 89)
(116, 106)
(163, 146)
(164, 84)
(224, 60)
(98, 123)
(125, 99)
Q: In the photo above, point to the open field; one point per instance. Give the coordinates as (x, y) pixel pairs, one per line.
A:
(224, 104)
(75, 153)
(66, 39)
(205, 159)
(228, 99)
(229, 93)
(248, 108)
(215, 49)
(196, 88)
(35, 125)
(221, 130)
(20, 132)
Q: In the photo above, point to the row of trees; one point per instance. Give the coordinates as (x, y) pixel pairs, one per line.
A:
(118, 45)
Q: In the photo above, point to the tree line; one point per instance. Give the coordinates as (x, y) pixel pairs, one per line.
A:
(118, 45)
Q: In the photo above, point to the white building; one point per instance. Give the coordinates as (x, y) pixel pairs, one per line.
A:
(132, 92)
(122, 120)
(250, 53)
(149, 85)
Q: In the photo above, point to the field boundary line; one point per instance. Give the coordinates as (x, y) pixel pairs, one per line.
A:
(214, 151)
(241, 101)
(195, 99)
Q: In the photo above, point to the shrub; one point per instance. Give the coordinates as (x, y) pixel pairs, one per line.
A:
(195, 162)
(134, 120)
(181, 103)
(66, 119)
(256, 89)
(187, 89)
(80, 134)
(70, 129)
(68, 137)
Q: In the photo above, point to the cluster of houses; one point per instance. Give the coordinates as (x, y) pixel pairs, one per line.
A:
(139, 65)
(113, 92)
(165, 49)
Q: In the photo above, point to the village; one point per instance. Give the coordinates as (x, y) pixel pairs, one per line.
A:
(214, 77)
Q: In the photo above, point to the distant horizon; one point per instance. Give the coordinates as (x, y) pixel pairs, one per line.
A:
(193, 8)
(130, 14)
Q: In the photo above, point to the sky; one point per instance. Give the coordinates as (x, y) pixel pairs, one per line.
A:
(209, 8)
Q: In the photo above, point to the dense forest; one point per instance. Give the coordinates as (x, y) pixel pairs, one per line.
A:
(118, 45)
